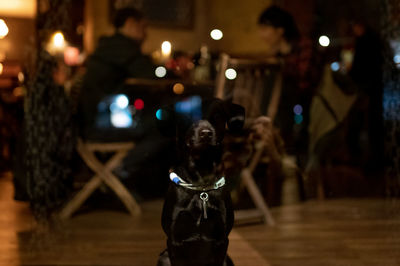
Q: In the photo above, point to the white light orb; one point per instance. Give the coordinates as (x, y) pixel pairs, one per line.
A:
(122, 101)
(121, 119)
(324, 41)
(216, 34)
(230, 74)
(161, 72)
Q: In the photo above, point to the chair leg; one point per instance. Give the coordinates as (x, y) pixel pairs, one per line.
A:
(80, 197)
(112, 181)
(257, 197)
(103, 173)
(126, 197)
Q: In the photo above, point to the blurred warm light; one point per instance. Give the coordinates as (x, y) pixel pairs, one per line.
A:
(18, 92)
(216, 34)
(166, 48)
(1, 68)
(58, 40)
(230, 73)
(178, 88)
(2, 56)
(71, 56)
(57, 43)
(21, 77)
(161, 72)
(335, 66)
(3, 29)
(18, 8)
(324, 41)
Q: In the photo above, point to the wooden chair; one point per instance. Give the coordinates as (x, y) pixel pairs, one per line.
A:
(103, 174)
(254, 67)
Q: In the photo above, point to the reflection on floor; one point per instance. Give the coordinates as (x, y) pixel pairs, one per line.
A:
(335, 232)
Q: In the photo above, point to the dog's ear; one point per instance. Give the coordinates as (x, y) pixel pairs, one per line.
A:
(165, 120)
(235, 117)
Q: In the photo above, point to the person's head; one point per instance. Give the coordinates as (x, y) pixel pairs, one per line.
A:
(131, 23)
(277, 28)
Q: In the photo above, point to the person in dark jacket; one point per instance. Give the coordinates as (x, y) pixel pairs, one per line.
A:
(116, 58)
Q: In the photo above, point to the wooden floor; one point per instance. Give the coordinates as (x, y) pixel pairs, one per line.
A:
(348, 232)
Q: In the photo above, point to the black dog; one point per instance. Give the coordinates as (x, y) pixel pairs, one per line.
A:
(198, 216)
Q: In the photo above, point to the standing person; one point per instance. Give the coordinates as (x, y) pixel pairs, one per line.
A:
(269, 102)
(279, 32)
(116, 58)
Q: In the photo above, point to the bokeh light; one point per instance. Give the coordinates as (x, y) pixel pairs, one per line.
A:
(3, 29)
(230, 73)
(159, 114)
(216, 34)
(298, 119)
(161, 72)
(71, 56)
(139, 104)
(58, 40)
(121, 119)
(21, 77)
(298, 109)
(396, 59)
(1, 68)
(335, 66)
(178, 88)
(122, 101)
(166, 48)
(324, 41)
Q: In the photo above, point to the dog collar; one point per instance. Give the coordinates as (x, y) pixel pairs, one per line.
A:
(179, 181)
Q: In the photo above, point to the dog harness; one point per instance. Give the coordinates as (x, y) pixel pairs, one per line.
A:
(203, 195)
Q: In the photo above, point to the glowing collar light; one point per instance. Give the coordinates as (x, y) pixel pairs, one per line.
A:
(179, 181)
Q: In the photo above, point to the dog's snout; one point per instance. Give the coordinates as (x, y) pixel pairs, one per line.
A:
(203, 133)
(206, 133)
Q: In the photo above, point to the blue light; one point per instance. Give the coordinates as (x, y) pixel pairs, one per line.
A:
(298, 109)
(190, 107)
(396, 59)
(159, 114)
(335, 66)
(102, 107)
(122, 101)
(298, 119)
(114, 108)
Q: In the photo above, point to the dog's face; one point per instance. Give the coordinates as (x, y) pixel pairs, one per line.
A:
(199, 125)
(202, 134)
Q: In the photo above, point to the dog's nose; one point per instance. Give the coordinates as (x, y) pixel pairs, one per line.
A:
(206, 134)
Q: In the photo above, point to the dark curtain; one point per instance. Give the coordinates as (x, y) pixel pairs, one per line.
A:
(49, 133)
